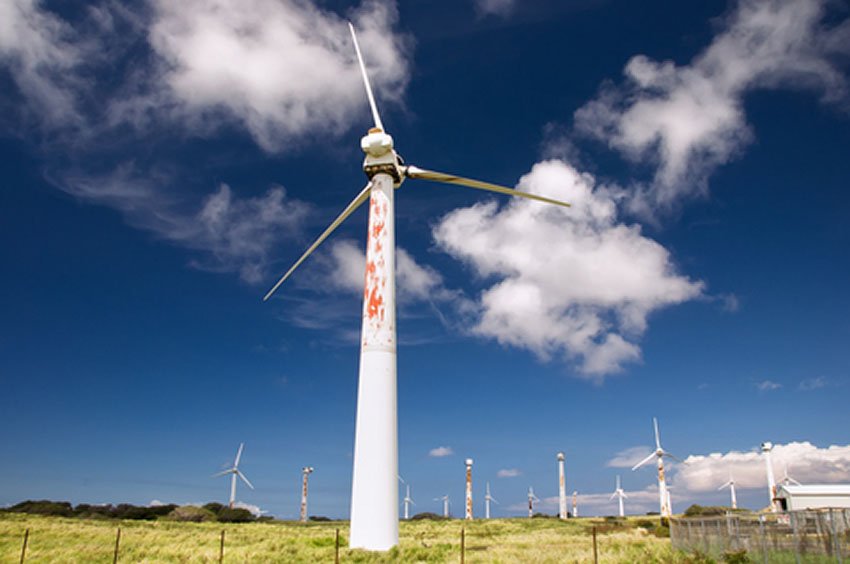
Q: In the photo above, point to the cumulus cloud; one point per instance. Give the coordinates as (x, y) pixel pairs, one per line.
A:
(508, 473)
(768, 386)
(574, 283)
(440, 452)
(804, 461)
(232, 234)
(627, 458)
(283, 69)
(495, 7)
(689, 119)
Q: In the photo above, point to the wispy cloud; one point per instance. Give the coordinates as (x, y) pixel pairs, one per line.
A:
(768, 386)
(628, 457)
(502, 8)
(810, 384)
(508, 473)
(690, 119)
(440, 452)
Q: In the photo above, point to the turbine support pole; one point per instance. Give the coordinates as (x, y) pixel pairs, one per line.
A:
(232, 490)
(771, 481)
(468, 512)
(562, 488)
(305, 472)
(575, 504)
(374, 492)
(734, 498)
(662, 489)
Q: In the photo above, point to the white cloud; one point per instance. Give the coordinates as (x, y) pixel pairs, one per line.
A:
(629, 457)
(571, 282)
(813, 384)
(254, 509)
(508, 473)
(805, 462)
(40, 51)
(440, 452)
(768, 386)
(690, 119)
(232, 234)
(284, 69)
(501, 8)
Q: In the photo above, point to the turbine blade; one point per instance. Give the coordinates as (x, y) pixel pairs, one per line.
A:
(222, 473)
(657, 438)
(493, 499)
(375, 115)
(355, 203)
(416, 172)
(624, 495)
(238, 455)
(244, 479)
(644, 461)
(674, 457)
(613, 495)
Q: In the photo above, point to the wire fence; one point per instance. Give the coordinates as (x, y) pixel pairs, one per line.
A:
(796, 536)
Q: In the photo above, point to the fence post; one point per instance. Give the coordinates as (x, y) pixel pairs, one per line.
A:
(336, 549)
(117, 541)
(462, 544)
(763, 539)
(221, 548)
(24, 547)
(595, 554)
(835, 541)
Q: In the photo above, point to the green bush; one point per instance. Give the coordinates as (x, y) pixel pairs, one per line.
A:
(44, 507)
(736, 557)
(235, 515)
(319, 518)
(192, 514)
(428, 516)
(708, 510)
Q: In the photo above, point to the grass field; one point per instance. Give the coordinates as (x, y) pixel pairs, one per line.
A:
(56, 539)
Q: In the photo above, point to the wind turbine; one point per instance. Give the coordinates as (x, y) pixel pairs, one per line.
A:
(575, 503)
(468, 512)
(659, 454)
(531, 499)
(306, 471)
(621, 495)
(731, 485)
(233, 473)
(766, 447)
(788, 480)
(487, 499)
(374, 497)
(562, 488)
(407, 502)
(445, 500)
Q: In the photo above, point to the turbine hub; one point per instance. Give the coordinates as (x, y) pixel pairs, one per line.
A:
(380, 156)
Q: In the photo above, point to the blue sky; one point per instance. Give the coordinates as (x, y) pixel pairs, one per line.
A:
(162, 165)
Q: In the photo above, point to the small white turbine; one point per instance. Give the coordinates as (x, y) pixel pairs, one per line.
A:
(468, 511)
(445, 500)
(575, 503)
(621, 495)
(531, 499)
(731, 485)
(306, 471)
(234, 471)
(408, 501)
(487, 499)
(766, 447)
(659, 454)
(562, 487)
(788, 480)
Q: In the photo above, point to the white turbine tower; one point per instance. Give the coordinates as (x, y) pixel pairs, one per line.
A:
(659, 454)
(487, 499)
(374, 496)
(234, 471)
(562, 488)
(445, 500)
(731, 485)
(766, 447)
(531, 499)
(407, 502)
(306, 471)
(575, 503)
(621, 495)
(468, 511)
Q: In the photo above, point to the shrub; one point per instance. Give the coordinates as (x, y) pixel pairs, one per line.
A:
(214, 506)
(695, 510)
(235, 515)
(192, 514)
(428, 516)
(320, 518)
(736, 557)
(44, 507)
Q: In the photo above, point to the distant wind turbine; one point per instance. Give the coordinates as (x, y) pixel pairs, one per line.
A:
(531, 499)
(788, 480)
(562, 487)
(445, 500)
(374, 495)
(620, 495)
(575, 503)
(234, 471)
(306, 471)
(731, 485)
(487, 499)
(407, 502)
(659, 454)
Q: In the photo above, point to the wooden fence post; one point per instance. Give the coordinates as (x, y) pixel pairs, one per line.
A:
(24, 547)
(221, 548)
(595, 555)
(336, 550)
(462, 544)
(117, 542)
